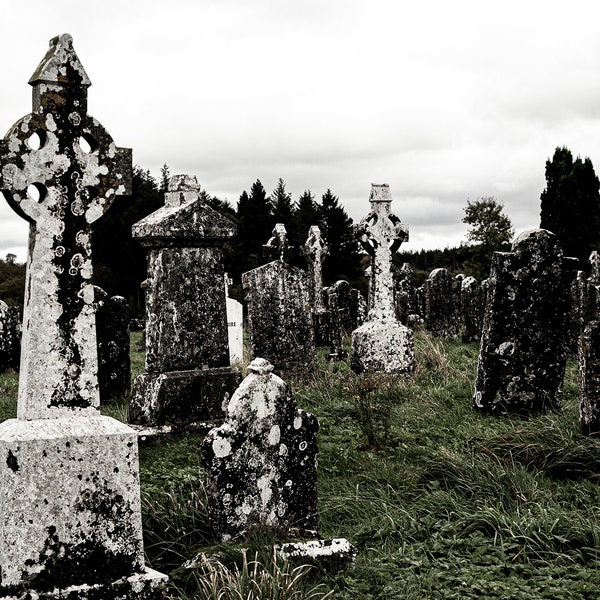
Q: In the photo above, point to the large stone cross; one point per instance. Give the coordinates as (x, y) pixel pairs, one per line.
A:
(381, 234)
(316, 251)
(60, 170)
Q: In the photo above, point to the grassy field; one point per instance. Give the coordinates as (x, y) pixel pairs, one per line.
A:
(440, 502)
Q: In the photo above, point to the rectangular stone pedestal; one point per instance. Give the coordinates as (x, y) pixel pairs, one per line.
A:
(180, 397)
(70, 511)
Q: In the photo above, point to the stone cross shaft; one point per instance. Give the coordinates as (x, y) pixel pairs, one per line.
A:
(60, 170)
(381, 234)
(315, 251)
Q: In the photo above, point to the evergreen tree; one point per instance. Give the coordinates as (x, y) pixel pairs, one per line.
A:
(255, 224)
(119, 260)
(283, 209)
(305, 215)
(570, 204)
(165, 175)
(343, 261)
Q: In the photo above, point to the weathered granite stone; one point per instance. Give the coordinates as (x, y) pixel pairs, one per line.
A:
(472, 306)
(315, 250)
(407, 309)
(334, 321)
(594, 262)
(442, 304)
(112, 332)
(382, 343)
(589, 379)
(187, 376)
(261, 464)
(352, 307)
(70, 520)
(10, 338)
(279, 312)
(525, 329)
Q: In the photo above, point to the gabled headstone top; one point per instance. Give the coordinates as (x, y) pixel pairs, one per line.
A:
(277, 244)
(61, 171)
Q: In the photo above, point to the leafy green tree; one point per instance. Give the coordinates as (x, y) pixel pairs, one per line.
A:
(570, 203)
(491, 230)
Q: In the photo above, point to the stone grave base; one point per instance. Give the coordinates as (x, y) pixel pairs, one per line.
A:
(382, 345)
(70, 510)
(179, 397)
(144, 586)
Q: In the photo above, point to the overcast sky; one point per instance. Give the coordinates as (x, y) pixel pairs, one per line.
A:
(446, 101)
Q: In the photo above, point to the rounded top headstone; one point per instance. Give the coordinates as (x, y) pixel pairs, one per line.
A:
(261, 366)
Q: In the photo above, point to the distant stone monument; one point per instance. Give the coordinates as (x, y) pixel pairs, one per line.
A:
(112, 332)
(525, 336)
(188, 377)
(382, 343)
(315, 250)
(69, 499)
(442, 304)
(261, 464)
(279, 310)
(472, 306)
(10, 338)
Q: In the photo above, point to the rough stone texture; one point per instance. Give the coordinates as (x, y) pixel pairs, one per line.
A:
(187, 375)
(70, 524)
(235, 331)
(407, 308)
(10, 338)
(74, 189)
(442, 304)
(594, 262)
(589, 379)
(352, 307)
(112, 333)
(315, 250)
(472, 306)
(382, 343)
(337, 551)
(336, 332)
(279, 313)
(525, 330)
(261, 464)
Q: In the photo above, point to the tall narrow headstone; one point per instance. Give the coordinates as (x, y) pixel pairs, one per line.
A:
(279, 311)
(382, 343)
(315, 250)
(589, 379)
(235, 329)
(472, 304)
(188, 377)
(442, 304)
(406, 296)
(261, 464)
(69, 500)
(525, 336)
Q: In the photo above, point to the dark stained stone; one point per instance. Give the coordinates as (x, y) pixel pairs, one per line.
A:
(472, 306)
(589, 379)
(10, 338)
(524, 342)
(442, 304)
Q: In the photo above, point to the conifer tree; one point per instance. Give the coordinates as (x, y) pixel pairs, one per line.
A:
(570, 204)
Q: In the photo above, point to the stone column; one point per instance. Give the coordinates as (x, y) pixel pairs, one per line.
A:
(382, 343)
(187, 377)
(69, 499)
(315, 250)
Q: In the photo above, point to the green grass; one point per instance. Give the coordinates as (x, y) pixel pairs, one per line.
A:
(441, 501)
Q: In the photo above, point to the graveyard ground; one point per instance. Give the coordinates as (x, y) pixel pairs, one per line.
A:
(440, 502)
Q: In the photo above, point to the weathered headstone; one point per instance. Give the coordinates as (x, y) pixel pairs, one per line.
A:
(442, 304)
(472, 305)
(187, 376)
(315, 250)
(352, 307)
(524, 343)
(382, 343)
(10, 337)
(69, 499)
(279, 311)
(594, 262)
(261, 464)
(235, 329)
(112, 333)
(589, 379)
(407, 309)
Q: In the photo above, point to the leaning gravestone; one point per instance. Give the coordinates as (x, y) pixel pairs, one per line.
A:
(10, 337)
(261, 464)
(442, 304)
(524, 343)
(112, 332)
(279, 311)
(382, 343)
(187, 377)
(69, 499)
